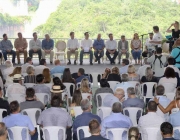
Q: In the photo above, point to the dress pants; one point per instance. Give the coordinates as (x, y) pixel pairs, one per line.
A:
(82, 53)
(38, 52)
(98, 55)
(18, 56)
(120, 54)
(112, 60)
(11, 52)
(69, 53)
(51, 55)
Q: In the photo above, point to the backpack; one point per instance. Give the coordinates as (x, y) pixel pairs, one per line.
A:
(159, 57)
(177, 57)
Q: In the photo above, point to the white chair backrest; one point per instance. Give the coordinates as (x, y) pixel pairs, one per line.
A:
(68, 86)
(151, 133)
(49, 85)
(59, 75)
(17, 133)
(133, 113)
(18, 97)
(61, 46)
(24, 74)
(169, 87)
(150, 86)
(1, 113)
(102, 96)
(77, 110)
(95, 79)
(52, 132)
(174, 110)
(112, 84)
(43, 97)
(86, 95)
(117, 133)
(170, 95)
(29, 85)
(85, 129)
(103, 112)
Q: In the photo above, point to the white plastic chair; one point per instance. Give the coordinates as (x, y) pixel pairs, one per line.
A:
(59, 75)
(103, 112)
(29, 85)
(68, 85)
(16, 133)
(102, 96)
(53, 132)
(31, 112)
(18, 97)
(1, 113)
(151, 133)
(170, 95)
(95, 79)
(169, 87)
(43, 97)
(117, 133)
(61, 47)
(86, 95)
(85, 130)
(113, 84)
(77, 110)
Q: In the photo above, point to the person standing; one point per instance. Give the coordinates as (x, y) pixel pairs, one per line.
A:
(7, 48)
(21, 47)
(47, 47)
(98, 47)
(86, 46)
(72, 46)
(35, 46)
(123, 48)
(176, 53)
(111, 47)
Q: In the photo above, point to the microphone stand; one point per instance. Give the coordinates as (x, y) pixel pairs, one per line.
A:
(142, 38)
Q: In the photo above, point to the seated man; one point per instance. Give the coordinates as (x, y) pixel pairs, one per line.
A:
(58, 68)
(81, 74)
(125, 65)
(39, 69)
(7, 48)
(84, 118)
(115, 120)
(123, 48)
(55, 116)
(3, 131)
(167, 131)
(94, 129)
(47, 47)
(86, 47)
(35, 46)
(31, 100)
(142, 69)
(111, 47)
(17, 119)
(21, 47)
(16, 88)
(28, 63)
(9, 69)
(98, 47)
(118, 96)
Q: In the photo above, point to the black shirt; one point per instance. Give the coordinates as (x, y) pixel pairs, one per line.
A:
(4, 105)
(93, 137)
(114, 77)
(175, 34)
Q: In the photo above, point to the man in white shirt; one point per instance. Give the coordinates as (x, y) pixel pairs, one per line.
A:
(111, 48)
(39, 69)
(35, 46)
(149, 46)
(86, 47)
(151, 119)
(157, 37)
(28, 63)
(124, 68)
(9, 69)
(171, 63)
(72, 46)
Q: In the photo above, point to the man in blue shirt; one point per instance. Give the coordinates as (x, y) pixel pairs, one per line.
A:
(81, 74)
(98, 47)
(47, 47)
(84, 118)
(7, 48)
(167, 131)
(58, 68)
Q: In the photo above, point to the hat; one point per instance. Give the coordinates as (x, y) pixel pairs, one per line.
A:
(56, 89)
(17, 77)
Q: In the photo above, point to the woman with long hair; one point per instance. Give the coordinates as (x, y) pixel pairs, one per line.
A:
(47, 76)
(133, 133)
(77, 97)
(133, 76)
(84, 87)
(67, 78)
(57, 81)
(114, 75)
(9, 79)
(136, 48)
(149, 76)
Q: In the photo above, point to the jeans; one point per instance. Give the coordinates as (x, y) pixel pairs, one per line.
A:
(35, 136)
(98, 54)
(11, 52)
(38, 52)
(136, 54)
(82, 54)
(109, 57)
(120, 54)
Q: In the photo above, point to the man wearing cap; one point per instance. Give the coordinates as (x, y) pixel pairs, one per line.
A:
(16, 88)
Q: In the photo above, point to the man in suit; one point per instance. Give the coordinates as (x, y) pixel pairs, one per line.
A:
(123, 48)
(167, 131)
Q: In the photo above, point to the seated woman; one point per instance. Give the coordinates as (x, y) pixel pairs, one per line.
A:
(31, 77)
(57, 81)
(133, 133)
(133, 76)
(85, 87)
(47, 76)
(76, 99)
(149, 76)
(106, 73)
(114, 76)
(67, 78)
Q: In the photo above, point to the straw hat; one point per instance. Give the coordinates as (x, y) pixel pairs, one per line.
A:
(17, 77)
(56, 89)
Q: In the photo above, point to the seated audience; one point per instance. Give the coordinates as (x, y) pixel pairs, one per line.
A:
(149, 76)
(9, 68)
(142, 69)
(57, 81)
(124, 68)
(57, 91)
(28, 63)
(81, 74)
(17, 119)
(3, 131)
(58, 68)
(4, 104)
(31, 100)
(167, 131)
(115, 120)
(114, 76)
(84, 118)
(133, 76)
(67, 78)
(39, 69)
(55, 116)
(171, 63)
(76, 99)
(133, 133)
(94, 129)
(151, 119)
(84, 87)
(105, 88)
(30, 78)
(118, 96)
(16, 88)
(47, 76)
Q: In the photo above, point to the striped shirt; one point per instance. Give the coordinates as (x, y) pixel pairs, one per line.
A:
(30, 79)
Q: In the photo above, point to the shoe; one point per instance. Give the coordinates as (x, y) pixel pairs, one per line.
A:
(69, 63)
(81, 63)
(75, 62)
(91, 63)
(95, 60)
(50, 62)
(113, 63)
(99, 62)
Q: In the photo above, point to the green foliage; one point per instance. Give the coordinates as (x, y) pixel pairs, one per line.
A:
(105, 16)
